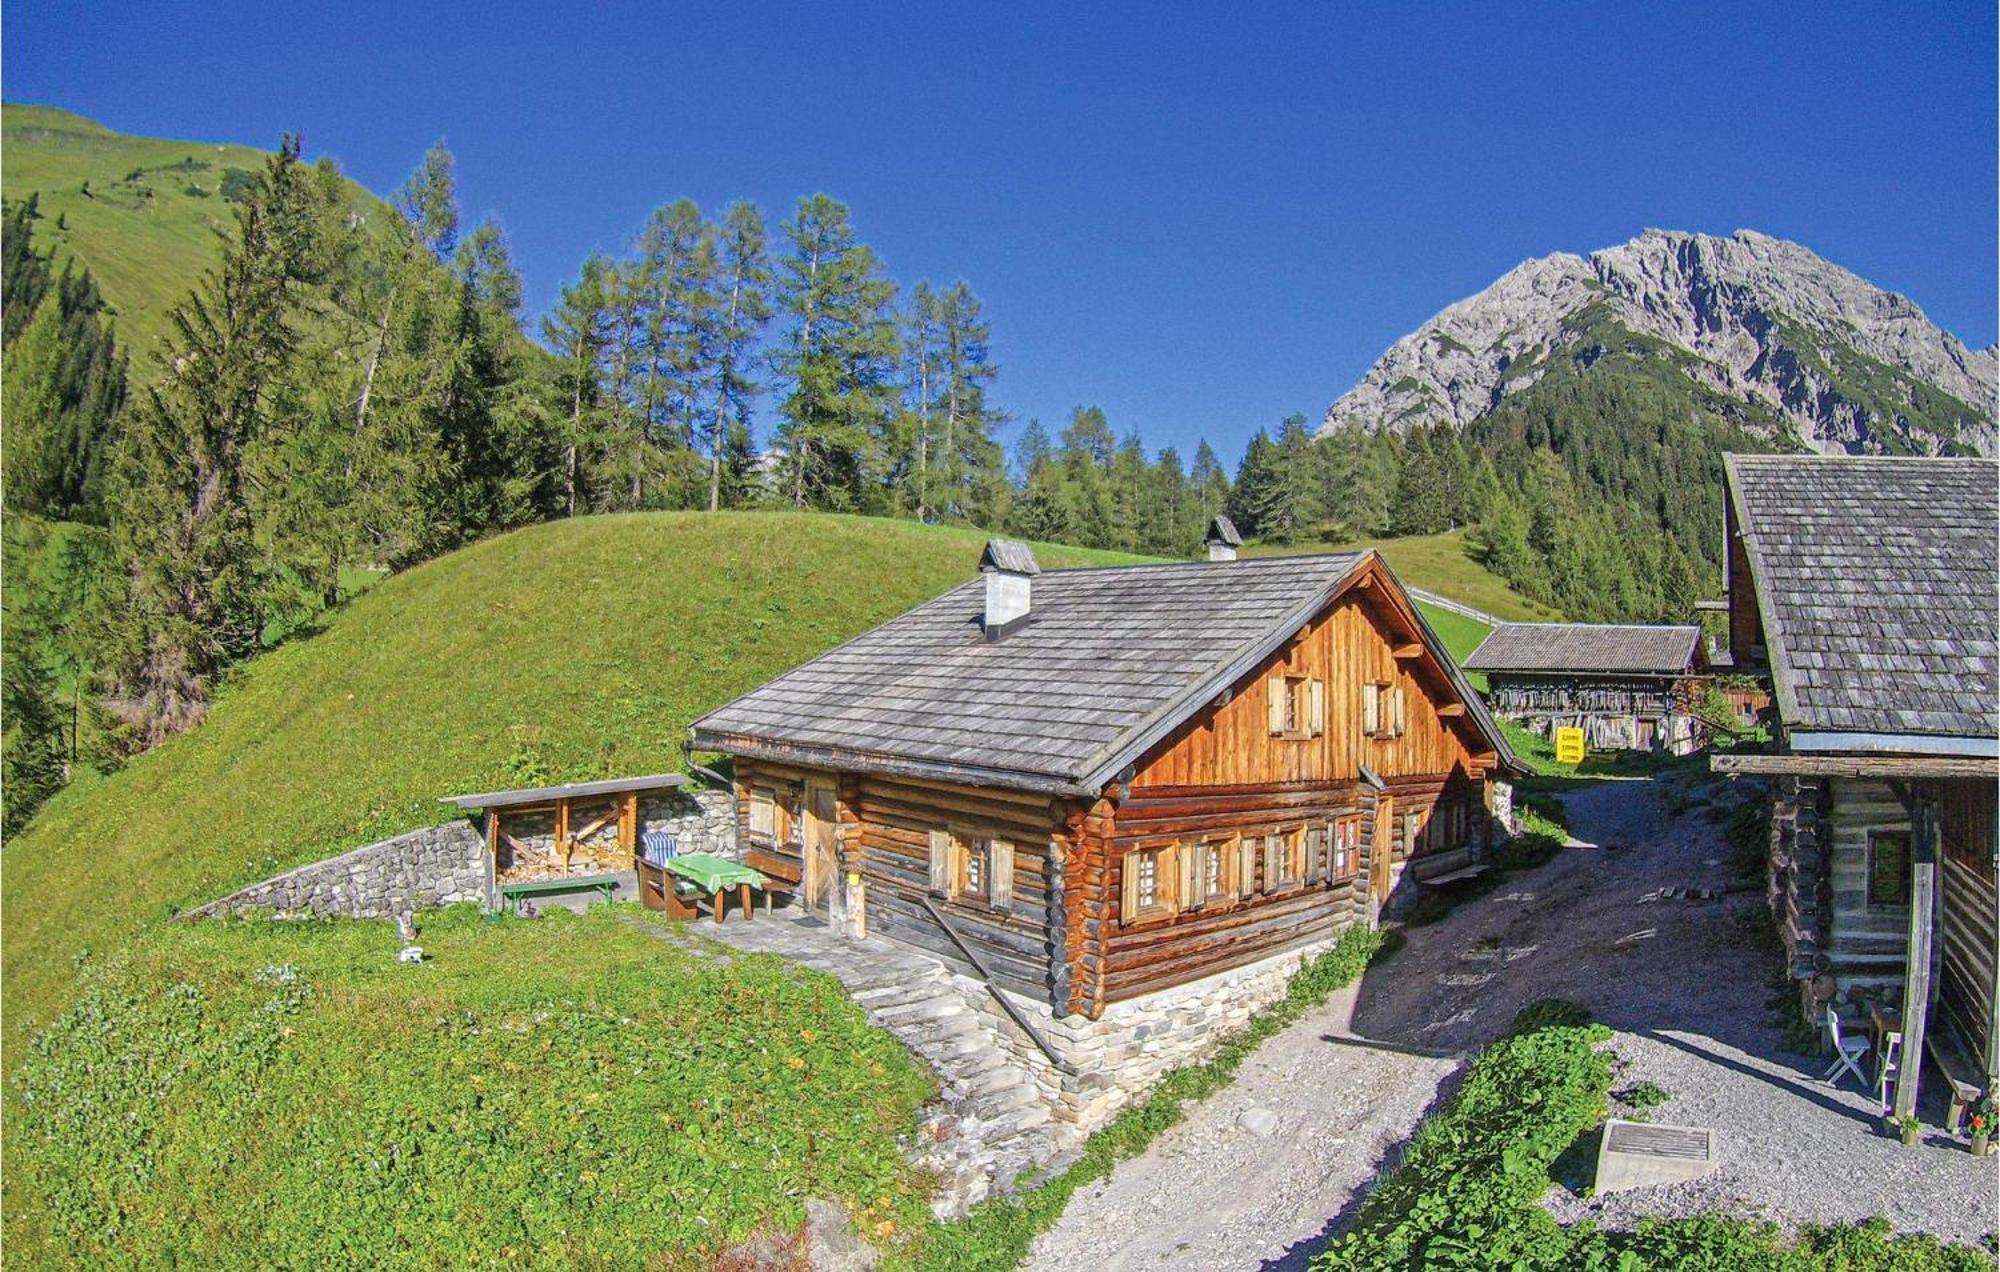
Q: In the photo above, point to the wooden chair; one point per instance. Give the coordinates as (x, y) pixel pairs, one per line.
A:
(1847, 1052)
(659, 889)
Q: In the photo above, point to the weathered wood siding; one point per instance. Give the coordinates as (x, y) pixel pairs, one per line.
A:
(1151, 954)
(787, 847)
(1968, 979)
(1349, 646)
(1866, 943)
(895, 817)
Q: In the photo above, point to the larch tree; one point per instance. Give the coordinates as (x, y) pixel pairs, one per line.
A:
(837, 360)
(742, 283)
(578, 332)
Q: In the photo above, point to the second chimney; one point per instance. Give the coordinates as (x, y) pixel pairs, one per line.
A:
(1222, 539)
(1010, 569)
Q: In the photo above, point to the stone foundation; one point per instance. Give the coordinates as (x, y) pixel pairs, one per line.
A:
(1125, 1051)
(435, 866)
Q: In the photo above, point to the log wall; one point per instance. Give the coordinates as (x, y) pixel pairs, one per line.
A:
(1865, 943)
(1968, 989)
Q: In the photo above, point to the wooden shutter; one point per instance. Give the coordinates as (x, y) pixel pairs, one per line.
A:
(1246, 865)
(1128, 906)
(1371, 709)
(1412, 828)
(940, 862)
(1316, 716)
(1274, 693)
(1188, 875)
(1399, 710)
(1000, 887)
(1316, 856)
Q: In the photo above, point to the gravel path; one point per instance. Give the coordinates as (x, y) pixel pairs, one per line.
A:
(1685, 985)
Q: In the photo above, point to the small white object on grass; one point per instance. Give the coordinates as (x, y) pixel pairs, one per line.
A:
(410, 954)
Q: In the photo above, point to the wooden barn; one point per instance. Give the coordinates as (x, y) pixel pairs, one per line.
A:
(1628, 688)
(1869, 590)
(1105, 782)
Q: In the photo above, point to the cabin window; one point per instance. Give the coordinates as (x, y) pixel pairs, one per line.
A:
(1284, 858)
(1888, 867)
(1210, 873)
(1382, 709)
(970, 867)
(1298, 706)
(1316, 863)
(1148, 884)
(1346, 848)
(763, 813)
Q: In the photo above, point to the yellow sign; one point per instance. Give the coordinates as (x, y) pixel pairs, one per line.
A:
(1569, 745)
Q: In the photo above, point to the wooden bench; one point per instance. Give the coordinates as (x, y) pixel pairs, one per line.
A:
(512, 893)
(1966, 1081)
(779, 875)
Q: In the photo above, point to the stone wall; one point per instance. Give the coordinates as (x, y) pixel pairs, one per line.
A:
(435, 866)
(444, 865)
(1123, 1053)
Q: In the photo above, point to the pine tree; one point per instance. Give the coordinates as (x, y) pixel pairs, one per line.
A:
(837, 359)
(972, 461)
(1291, 500)
(1210, 483)
(31, 404)
(743, 280)
(1251, 493)
(196, 585)
(578, 332)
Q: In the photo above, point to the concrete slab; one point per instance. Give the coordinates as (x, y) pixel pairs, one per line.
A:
(1641, 1154)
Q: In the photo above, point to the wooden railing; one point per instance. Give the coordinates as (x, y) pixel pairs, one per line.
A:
(1014, 1013)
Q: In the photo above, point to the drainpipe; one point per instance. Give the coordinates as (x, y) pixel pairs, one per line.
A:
(714, 778)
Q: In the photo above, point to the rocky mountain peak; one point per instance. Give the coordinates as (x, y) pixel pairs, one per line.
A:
(1843, 362)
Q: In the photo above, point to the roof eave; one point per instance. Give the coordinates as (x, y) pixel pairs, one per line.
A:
(1828, 741)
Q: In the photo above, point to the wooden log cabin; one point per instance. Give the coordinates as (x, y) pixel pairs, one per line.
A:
(1629, 688)
(1865, 588)
(1105, 782)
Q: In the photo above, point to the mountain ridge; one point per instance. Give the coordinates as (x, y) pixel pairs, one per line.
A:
(1845, 365)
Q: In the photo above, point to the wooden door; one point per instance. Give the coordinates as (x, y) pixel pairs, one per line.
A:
(1382, 849)
(822, 823)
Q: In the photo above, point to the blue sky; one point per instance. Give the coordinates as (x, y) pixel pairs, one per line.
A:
(1201, 219)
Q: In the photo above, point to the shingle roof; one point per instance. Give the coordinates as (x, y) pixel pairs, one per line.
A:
(1111, 659)
(1877, 588)
(1604, 649)
(1014, 558)
(1222, 530)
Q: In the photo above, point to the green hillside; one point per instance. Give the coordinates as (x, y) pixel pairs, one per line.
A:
(568, 650)
(1443, 563)
(141, 212)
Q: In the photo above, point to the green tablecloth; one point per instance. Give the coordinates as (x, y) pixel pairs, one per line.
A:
(713, 873)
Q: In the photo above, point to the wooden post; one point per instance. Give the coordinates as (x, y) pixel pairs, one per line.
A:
(628, 828)
(562, 833)
(1917, 963)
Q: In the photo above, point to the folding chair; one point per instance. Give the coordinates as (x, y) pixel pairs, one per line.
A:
(1847, 1053)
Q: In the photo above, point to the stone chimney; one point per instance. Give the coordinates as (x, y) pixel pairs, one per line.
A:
(1010, 569)
(1222, 539)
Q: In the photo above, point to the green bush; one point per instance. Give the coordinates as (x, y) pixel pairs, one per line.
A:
(1468, 1191)
(565, 1090)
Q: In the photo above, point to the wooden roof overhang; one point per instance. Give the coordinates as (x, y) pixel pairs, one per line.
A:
(549, 796)
(1793, 764)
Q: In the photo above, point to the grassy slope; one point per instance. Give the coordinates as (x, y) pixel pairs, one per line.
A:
(1441, 563)
(570, 650)
(570, 1091)
(145, 241)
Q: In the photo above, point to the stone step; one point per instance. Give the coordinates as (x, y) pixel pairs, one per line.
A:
(935, 1007)
(992, 1104)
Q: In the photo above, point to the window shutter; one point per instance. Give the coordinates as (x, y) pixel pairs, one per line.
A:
(1190, 878)
(1000, 889)
(1274, 694)
(1271, 871)
(1317, 689)
(1129, 899)
(940, 862)
(1170, 876)
(1315, 854)
(1246, 865)
(1371, 709)
(1399, 710)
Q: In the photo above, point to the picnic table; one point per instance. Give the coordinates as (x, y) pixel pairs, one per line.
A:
(715, 876)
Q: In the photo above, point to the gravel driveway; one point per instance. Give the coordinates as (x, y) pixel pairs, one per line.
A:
(1684, 984)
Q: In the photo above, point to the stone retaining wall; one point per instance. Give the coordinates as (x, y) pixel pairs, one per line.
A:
(1122, 1053)
(444, 865)
(435, 866)
(700, 820)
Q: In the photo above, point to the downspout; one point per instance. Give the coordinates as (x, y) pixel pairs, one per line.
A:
(713, 778)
